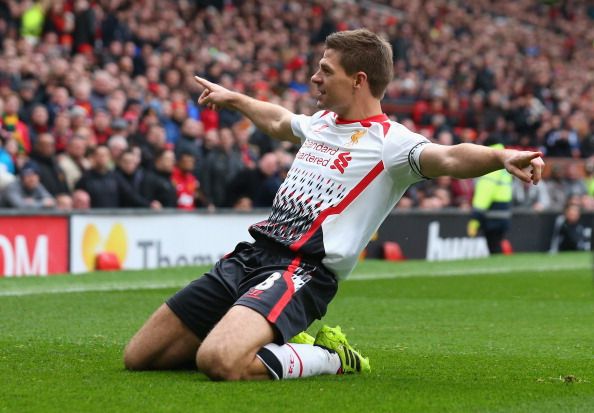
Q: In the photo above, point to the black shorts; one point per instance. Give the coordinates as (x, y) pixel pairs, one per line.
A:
(289, 291)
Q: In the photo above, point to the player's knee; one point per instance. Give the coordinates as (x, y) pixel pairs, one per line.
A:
(134, 359)
(213, 363)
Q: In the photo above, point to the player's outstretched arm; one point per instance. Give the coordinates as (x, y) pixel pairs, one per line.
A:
(467, 160)
(273, 119)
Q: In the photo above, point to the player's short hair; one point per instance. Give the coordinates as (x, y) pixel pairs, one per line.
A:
(364, 51)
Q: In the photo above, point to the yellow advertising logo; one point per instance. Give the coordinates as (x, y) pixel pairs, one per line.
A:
(357, 135)
(92, 244)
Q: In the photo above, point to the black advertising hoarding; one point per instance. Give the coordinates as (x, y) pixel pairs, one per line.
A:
(441, 235)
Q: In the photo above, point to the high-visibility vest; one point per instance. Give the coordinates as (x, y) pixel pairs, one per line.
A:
(493, 194)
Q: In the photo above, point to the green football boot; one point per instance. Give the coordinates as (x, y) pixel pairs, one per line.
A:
(333, 339)
(303, 338)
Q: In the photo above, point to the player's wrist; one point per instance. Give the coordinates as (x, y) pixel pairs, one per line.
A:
(238, 101)
(503, 156)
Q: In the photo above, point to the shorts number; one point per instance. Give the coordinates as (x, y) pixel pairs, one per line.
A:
(268, 282)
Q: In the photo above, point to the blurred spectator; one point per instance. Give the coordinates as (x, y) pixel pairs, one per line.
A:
(64, 202)
(119, 127)
(221, 165)
(442, 191)
(153, 143)
(32, 19)
(100, 181)
(242, 141)
(131, 179)
(62, 130)
(84, 27)
(12, 127)
(259, 184)
(59, 102)
(78, 117)
(102, 85)
(185, 182)
(462, 192)
(73, 161)
(243, 203)
(39, 122)
(574, 182)
(190, 141)
(556, 187)
(29, 99)
(117, 145)
(563, 143)
(101, 126)
(27, 192)
(51, 174)
(173, 124)
(81, 200)
(81, 95)
(158, 185)
(526, 195)
(569, 234)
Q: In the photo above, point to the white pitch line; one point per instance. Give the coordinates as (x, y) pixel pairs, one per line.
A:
(467, 271)
(355, 277)
(94, 288)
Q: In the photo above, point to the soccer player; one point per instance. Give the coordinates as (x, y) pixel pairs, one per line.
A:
(353, 166)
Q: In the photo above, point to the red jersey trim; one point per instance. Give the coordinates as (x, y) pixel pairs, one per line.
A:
(386, 126)
(286, 297)
(337, 209)
(377, 118)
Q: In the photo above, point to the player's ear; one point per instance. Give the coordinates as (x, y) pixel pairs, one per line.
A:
(358, 79)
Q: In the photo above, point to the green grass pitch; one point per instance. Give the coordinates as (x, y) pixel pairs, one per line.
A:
(503, 334)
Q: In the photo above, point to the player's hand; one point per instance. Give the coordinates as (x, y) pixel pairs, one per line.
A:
(213, 96)
(525, 165)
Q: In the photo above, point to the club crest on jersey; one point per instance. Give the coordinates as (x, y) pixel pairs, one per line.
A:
(356, 136)
(341, 162)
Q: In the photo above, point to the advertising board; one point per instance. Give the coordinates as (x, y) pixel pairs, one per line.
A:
(155, 241)
(33, 245)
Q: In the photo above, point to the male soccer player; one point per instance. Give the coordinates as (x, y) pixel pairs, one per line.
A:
(353, 166)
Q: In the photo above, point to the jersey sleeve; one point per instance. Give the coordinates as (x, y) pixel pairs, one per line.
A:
(301, 124)
(402, 152)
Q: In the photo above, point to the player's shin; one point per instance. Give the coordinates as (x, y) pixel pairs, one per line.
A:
(298, 360)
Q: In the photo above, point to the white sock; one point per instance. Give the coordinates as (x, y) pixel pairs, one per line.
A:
(291, 361)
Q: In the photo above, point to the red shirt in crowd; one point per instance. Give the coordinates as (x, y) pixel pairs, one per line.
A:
(186, 186)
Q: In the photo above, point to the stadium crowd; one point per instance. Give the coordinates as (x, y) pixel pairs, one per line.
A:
(98, 106)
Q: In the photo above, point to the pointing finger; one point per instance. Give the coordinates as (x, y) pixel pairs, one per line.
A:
(203, 82)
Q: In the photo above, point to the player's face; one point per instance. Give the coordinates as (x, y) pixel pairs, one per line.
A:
(334, 85)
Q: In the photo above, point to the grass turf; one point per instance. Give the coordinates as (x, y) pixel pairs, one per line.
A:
(509, 334)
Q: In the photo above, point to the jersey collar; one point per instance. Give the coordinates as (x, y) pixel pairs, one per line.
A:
(364, 122)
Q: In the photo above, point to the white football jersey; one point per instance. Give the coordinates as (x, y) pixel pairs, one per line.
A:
(345, 180)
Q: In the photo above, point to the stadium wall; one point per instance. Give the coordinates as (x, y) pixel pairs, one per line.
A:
(55, 243)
